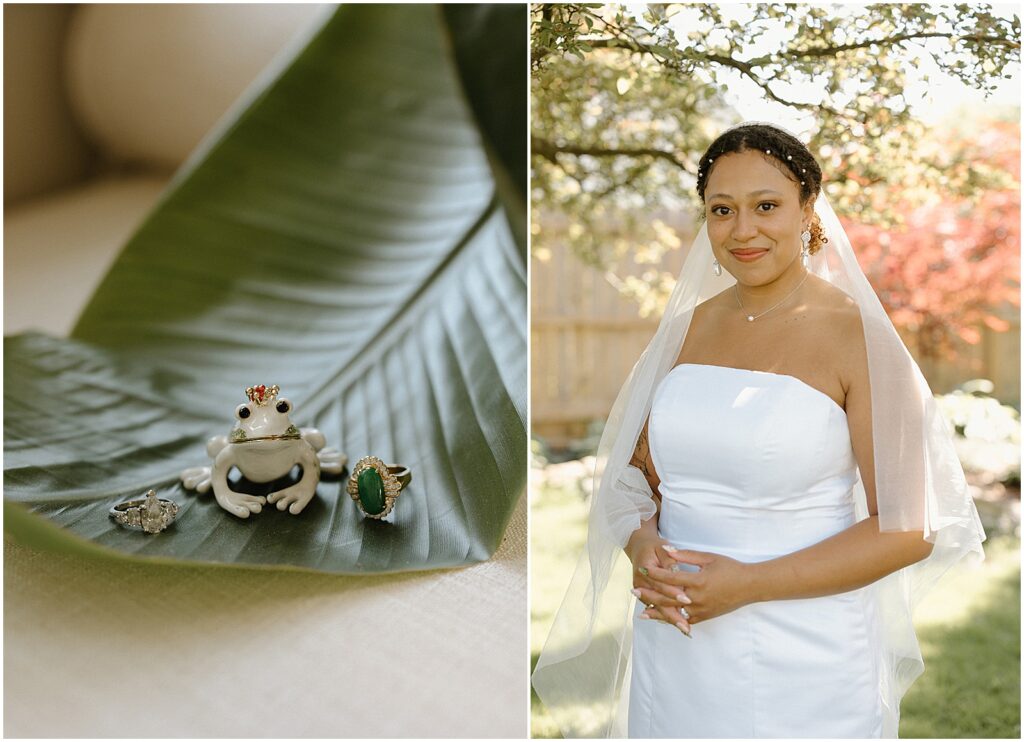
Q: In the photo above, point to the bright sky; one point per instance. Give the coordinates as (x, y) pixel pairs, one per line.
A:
(932, 101)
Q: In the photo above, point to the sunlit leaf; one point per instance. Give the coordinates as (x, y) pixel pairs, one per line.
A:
(341, 236)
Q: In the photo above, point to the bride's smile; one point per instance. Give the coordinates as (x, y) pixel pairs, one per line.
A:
(750, 254)
(754, 219)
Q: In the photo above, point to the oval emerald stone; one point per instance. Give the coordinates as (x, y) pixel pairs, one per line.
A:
(371, 491)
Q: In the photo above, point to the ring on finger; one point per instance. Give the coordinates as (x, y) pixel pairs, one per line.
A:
(685, 613)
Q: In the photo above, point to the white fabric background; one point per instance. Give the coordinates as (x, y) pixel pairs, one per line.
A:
(146, 81)
(115, 648)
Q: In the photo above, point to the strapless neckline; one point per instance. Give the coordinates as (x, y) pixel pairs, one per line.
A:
(799, 381)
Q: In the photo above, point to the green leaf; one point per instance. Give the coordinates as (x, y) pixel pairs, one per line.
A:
(496, 85)
(341, 235)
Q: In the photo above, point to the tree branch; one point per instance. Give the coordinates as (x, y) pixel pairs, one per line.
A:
(828, 51)
(617, 42)
(549, 150)
(630, 178)
(747, 69)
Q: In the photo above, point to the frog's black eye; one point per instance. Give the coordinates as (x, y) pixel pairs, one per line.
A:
(243, 412)
(284, 406)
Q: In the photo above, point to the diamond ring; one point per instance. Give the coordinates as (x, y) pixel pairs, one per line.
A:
(150, 515)
(375, 485)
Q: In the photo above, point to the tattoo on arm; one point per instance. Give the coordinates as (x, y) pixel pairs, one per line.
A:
(642, 460)
(641, 452)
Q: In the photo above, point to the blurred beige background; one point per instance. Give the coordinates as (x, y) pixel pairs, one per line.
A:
(102, 104)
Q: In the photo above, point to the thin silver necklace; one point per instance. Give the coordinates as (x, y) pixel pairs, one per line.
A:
(752, 317)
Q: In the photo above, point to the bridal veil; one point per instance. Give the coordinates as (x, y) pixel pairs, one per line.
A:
(583, 672)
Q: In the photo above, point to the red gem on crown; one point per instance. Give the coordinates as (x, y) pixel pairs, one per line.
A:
(261, 394)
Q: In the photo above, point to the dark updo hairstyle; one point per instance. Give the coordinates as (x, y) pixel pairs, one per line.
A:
(796, 160)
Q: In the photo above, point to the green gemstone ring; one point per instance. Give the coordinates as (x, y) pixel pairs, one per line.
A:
(375, 486)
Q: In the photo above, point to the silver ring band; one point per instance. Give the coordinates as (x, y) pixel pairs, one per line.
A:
(150, 514)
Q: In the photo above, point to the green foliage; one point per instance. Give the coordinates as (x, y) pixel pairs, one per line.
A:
(345, 236)
(625, 103)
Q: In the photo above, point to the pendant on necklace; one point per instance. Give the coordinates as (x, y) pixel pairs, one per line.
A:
(750, 318)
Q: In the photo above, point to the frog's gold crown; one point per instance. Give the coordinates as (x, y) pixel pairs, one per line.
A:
(262, 394)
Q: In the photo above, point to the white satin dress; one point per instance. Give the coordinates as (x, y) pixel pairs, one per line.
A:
(755, 465)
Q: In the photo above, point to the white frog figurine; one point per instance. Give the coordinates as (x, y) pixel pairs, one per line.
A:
(265, 445)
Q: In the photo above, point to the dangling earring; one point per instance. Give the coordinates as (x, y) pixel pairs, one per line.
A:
(716, 267)
(805, 253)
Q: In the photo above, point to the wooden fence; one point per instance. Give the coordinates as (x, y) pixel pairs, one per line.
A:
(585, 338)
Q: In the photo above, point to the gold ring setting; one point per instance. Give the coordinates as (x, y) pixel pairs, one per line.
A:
(375, 486)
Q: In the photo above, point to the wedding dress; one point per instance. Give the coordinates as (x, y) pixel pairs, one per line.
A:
(755, 465)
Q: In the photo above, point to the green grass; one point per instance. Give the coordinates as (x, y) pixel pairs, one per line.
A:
(557, 534)
(969, 629)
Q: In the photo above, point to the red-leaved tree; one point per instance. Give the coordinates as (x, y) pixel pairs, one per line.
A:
(954, 264)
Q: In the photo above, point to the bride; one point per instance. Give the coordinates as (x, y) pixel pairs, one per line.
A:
(778, 476)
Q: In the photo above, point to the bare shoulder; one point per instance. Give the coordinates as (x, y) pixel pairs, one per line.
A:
(835, 304)
(710, 309)
(706, 314)
(842, 331)
(704, 325)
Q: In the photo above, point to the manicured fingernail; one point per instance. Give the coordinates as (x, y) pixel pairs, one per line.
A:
(682, 598)
(670, 549)
(645, 617)
(683, 627)
(635, 591)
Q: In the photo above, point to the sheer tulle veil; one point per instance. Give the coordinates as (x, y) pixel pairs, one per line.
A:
(582, 675)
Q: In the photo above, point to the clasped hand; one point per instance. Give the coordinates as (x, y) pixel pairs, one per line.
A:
(684, 598)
